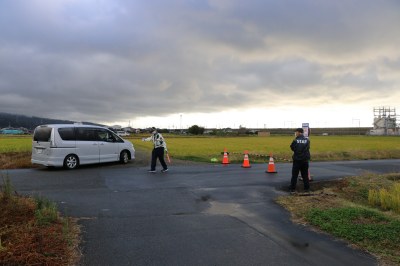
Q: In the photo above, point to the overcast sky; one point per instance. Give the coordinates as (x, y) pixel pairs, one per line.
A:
(216, 63)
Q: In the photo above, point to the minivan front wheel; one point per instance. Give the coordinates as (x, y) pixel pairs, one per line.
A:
(124, 157)
(71, 161)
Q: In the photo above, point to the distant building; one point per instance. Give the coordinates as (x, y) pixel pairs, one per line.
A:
(11, 131)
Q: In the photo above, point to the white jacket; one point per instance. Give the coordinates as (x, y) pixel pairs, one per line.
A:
(157, 140)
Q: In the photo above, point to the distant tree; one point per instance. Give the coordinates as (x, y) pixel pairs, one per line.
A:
(242, 130)
(196, 130)
(163, 130)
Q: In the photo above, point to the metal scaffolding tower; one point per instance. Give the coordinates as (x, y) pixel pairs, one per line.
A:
(385, 121)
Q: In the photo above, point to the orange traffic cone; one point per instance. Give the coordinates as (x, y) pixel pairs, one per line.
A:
(271, 165)
(246, 162)
(225, 159)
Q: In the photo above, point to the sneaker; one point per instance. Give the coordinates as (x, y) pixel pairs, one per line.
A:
(164, 170)
(292, 191)
(300, 178)
(151, 171)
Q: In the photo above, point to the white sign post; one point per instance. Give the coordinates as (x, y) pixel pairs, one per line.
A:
(306, 129)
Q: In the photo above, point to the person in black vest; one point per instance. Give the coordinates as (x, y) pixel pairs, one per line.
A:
(301, 156)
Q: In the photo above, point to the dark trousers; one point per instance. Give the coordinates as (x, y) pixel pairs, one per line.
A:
(158, 153)
(302, 167)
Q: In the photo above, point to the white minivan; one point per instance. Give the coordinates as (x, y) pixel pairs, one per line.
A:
(71, 145)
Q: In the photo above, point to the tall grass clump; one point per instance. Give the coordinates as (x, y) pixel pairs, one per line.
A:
(46, 211)
(386, 199)
(6, 188)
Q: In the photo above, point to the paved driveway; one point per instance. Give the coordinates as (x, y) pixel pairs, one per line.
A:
(192, 215)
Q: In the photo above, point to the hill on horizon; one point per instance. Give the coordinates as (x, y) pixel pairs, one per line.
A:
(30, 122)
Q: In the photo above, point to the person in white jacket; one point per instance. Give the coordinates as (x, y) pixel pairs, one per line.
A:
(158, 151)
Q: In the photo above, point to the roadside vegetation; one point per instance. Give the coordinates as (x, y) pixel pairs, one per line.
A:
(32, 232)
(364, 211)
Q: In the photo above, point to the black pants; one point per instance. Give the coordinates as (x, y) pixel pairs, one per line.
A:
(302, 167)
(158, 153)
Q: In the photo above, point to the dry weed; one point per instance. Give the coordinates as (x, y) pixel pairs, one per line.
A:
(15, 160)
(24, 242)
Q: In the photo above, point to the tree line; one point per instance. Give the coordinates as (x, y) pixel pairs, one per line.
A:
(28, 122)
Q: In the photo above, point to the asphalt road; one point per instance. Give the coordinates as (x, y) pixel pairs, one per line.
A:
(192, 215)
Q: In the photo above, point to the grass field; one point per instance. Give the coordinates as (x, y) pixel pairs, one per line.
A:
(203, 149)
(323, 148)
(15, 143)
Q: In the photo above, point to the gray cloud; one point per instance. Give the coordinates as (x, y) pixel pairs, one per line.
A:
(112, 61)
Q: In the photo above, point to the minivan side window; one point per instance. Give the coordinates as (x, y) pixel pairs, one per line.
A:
(104, 135)
(42, 134)
(67, 133)
(86, 134)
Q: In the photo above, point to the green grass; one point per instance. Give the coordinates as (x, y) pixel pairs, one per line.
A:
(342, 208)
(46, 211)
(368, 229)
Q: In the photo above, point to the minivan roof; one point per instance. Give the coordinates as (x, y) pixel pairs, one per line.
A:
(69, 125)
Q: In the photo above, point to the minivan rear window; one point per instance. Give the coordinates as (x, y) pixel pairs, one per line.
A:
(67, 133)
(42, 134)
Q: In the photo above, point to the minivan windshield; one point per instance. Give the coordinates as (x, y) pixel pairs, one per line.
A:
(42, 134)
